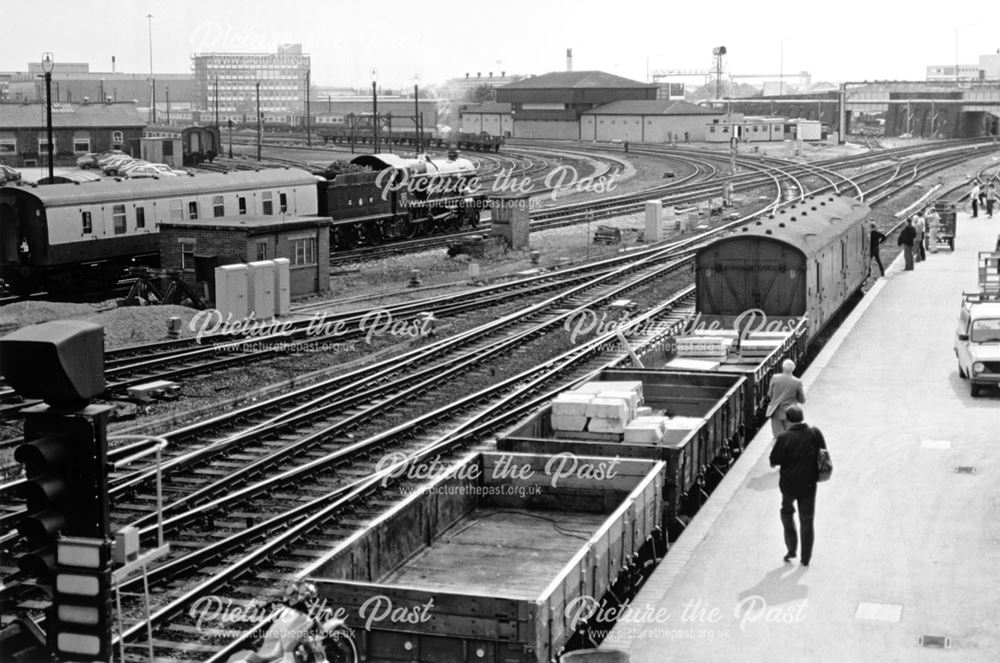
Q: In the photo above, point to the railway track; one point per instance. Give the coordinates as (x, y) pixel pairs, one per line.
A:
(308, 528)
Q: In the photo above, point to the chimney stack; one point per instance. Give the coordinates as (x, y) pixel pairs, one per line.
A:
(569, 59)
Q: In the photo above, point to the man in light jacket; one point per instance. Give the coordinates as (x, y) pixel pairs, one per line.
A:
(785, 390)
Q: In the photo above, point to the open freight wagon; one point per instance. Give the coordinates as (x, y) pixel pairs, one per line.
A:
(492, 561)
(753, 353)
(708, 408)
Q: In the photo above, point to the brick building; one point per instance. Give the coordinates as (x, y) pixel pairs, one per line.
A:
(550, 105)
(76, 130)
(304, 240)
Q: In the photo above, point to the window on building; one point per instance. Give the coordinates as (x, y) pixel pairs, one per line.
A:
(711, 130)
(193, 209)
(261, 250)
(81, 142)
(242, 204)
(218, 206)
(304, 251)
(187, 255)
(283, 202)
(88, 223)
(267, 204)
(118, 217)
(43, 145)
(140, 217)
(8, 146)
(176, 210)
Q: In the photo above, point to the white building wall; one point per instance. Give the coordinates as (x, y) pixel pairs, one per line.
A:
(558, 129)
(495, 124)
(659, 128)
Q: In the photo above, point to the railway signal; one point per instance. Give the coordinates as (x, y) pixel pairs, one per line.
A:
(81, 600)
(66, 485)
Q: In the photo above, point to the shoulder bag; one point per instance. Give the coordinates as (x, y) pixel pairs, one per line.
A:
(823, 463)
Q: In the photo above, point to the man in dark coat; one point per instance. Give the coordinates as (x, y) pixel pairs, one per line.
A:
(797, 453)
(906, 238)
(875, 239)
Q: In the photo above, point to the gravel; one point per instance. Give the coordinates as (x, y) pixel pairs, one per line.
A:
(123, 326)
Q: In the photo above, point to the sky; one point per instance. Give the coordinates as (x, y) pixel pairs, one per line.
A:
(844, 40)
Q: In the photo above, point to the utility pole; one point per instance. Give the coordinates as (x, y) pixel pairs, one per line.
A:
(308, 119)
(151, 79)
(374, 113)
(216, 102)
(259, 128)
(416, 110)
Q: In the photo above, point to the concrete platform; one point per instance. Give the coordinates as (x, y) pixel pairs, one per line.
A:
(906, 547)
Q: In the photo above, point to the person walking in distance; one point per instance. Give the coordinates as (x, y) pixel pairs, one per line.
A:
(933, 227)
(875, 239)
(784, 391)
(906, 237)
(920, 226)
(991, 199)
(796, 452)
(974, 197)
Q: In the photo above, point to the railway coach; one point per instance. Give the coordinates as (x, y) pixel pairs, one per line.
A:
(66, 237)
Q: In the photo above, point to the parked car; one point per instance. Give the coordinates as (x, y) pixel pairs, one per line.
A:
(103, 160)
(116, 165)
(9, 174)
(159, 167)
(144, 170)
(92, 159)
(977, 343)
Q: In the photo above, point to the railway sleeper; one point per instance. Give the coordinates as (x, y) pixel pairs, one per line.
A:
(186, 646)
(211, 471)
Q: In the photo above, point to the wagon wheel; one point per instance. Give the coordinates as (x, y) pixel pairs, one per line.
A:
(406, 228)
(340, 647)
(345, 236)
(423, 226)
(374, 232)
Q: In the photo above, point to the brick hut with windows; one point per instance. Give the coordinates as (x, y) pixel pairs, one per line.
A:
(304, 240)
(76, 130)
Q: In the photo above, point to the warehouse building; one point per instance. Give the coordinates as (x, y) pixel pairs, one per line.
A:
(493, 118)
(647, 121)
(550, 105)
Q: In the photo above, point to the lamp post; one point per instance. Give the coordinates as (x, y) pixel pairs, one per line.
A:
(374, 112)
(416, 110)
(216, 102)
(47, 65)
